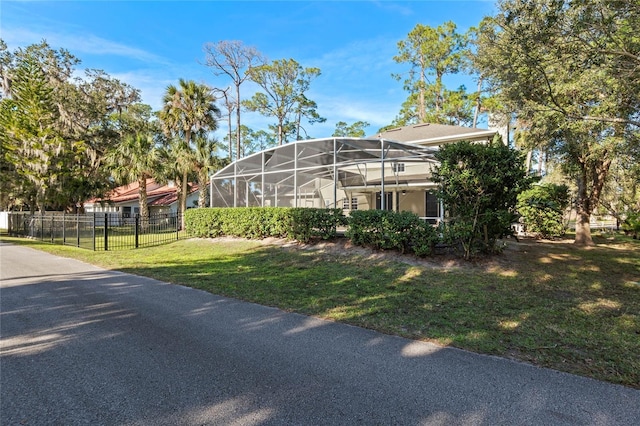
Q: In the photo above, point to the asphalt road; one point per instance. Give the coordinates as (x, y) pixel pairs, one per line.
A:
(80, 345)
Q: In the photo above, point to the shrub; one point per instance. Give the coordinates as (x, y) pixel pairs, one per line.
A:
(387, 230)
(631, 225)
(542, 209)
(257, 222)
(312, 223)
(251, 222)
(479, 185)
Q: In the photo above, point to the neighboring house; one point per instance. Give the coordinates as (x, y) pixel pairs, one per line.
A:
(390, 170)
(124, 201)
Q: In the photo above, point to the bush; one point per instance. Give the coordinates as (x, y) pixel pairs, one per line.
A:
(301, 224)
(312, 223)
(479, 185)
(387, 230)
(542, 209)
(631, 225)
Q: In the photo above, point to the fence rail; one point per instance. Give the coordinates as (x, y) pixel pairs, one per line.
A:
(97, 231)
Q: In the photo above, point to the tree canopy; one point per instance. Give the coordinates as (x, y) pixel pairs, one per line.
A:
(432, 53)
(284, 83)
(188, 109)
(355, 130)
(571, 71)
(56, 129)
(234, 59)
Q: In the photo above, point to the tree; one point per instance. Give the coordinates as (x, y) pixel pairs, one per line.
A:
(355, 130)
(178, 162)
(308, 109)
(542, 209)
(621, 194)
(30, 139)
(205, 162)
(284, 83)
(571, 69)
(430, 52)
(230, 105)
(478, 184)
(254, 141)
(233, 58)
(188, 109)
(260, 140)
(81, 115)
(136, 158)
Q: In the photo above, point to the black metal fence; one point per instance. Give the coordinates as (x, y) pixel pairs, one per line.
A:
(98, 231)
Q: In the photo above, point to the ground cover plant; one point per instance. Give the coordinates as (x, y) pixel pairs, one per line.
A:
(549, 303)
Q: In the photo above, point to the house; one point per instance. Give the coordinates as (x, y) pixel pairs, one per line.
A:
(390, 170)
(124, 201)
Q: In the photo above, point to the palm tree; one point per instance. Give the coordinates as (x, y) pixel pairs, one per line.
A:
(136, 158)
(178, 162)
(187, 109)
(204, 162)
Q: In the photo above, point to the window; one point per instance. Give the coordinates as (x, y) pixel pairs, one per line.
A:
(397, 167)
(432, 207)
(126, 211)
(388, 201)
(353, 206)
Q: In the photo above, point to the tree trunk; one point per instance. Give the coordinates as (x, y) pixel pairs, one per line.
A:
(144, 207)
(230, 139)
(583, 229)
(583, 218)
(528, 160)
(237, 121)
(421, 96)
(476, 113)
(185, 180)
(183, 197)
(202, 195)
(40, 195)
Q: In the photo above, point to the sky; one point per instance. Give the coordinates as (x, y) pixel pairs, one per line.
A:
(152, 44)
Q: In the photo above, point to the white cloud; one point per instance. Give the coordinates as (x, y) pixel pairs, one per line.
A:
(77, 44)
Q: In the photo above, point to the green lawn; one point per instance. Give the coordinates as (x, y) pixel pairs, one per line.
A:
(550, 304)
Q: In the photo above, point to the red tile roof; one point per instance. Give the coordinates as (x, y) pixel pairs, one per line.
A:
(157, 195)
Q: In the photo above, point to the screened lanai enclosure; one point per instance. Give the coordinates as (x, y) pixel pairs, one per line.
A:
(344, 173)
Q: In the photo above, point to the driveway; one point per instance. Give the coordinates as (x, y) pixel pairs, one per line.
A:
(84, 345)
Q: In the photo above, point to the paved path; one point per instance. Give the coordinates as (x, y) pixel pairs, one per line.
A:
(82, 345)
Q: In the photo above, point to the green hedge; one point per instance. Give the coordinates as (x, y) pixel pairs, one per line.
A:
(378, 229)
(387, 230)
(302, 224)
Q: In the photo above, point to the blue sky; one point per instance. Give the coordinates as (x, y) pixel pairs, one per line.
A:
(151, 44)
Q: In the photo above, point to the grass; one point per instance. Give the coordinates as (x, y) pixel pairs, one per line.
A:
(548, 303)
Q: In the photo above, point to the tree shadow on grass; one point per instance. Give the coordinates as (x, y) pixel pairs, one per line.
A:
(130, 349)
(570, 310)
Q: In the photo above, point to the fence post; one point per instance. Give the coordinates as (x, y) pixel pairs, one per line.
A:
(106, 232)
(178, 224)
(93, 232)
(137, 229)
(77, 230)
(41, 226)
(64, 228)
(51, 228)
